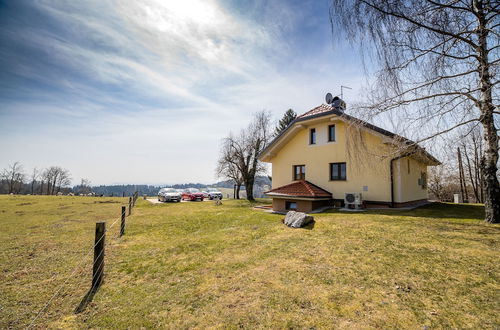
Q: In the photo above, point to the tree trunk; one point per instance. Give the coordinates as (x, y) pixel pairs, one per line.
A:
(238, 188)
(471, 177)
(463, 187)
(490, 157)
(249, 189)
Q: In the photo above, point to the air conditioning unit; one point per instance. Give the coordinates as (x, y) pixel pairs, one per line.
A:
(353, 199)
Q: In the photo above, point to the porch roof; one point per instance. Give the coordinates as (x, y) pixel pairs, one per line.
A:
(301, 188)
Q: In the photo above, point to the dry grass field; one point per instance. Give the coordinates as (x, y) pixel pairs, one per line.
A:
(197, 265)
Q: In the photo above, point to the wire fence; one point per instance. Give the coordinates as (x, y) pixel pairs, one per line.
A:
(65, 290)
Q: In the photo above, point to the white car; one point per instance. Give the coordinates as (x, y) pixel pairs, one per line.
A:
(169, 195)
(214, 193)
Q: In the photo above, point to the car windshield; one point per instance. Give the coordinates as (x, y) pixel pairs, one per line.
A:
(167, 190)
(193, 190)
(212, 190)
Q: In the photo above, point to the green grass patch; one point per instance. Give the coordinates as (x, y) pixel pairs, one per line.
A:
(198, 265)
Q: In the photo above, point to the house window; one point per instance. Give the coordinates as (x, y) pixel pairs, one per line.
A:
(423, 180)
(299, 172)
(338, 171)
(292, 206)
(331, 133)
(312, 136)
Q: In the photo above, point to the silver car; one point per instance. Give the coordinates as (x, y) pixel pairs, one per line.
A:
(169, 195)
(214, 193)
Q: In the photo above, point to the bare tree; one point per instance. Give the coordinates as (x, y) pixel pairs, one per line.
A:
(63, 180)
(34, 177)
(14, 176)
(85, 186)
(472, 147)
(55, 178)
(227, 169)
(244, 148)
(438, 66)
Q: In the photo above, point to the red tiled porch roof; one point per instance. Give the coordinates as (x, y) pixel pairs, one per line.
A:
(301, 188)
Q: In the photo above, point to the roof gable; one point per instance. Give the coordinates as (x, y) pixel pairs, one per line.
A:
(327, 110)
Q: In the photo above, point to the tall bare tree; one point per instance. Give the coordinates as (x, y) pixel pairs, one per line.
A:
(85, 186)
(63, 180)
(34, 177)
(55, 178)
(244, 148)
(14, 176)
(227, 169)
(472, 147)
(438, 66)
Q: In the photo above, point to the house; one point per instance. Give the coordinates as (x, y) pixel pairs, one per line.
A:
(325, 153)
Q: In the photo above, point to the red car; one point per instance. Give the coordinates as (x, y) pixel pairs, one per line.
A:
(192, 194)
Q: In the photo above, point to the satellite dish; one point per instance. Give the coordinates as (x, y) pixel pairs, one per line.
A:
(329, 98)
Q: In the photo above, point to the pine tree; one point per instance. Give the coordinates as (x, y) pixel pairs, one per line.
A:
(288, 117)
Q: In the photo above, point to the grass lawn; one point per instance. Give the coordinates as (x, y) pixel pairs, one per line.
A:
(197, 265)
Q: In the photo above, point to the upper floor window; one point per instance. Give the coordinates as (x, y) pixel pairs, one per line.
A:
(331, 133)
(299, 172)
(312, 136)
(338, 171)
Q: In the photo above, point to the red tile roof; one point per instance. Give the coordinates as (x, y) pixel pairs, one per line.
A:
(319, 109)
(300, 188)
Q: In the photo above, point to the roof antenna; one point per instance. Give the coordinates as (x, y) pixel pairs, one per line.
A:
(342, 91)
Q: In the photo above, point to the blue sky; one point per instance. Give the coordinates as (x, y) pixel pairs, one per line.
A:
(143, 91)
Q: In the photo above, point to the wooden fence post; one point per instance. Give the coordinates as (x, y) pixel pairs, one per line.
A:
(122, 226)
(129, 205)
(98, 266)
(98, 269)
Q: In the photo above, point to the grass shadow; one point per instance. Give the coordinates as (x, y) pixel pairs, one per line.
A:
(310, 225)
(87, 299)
(439, 210)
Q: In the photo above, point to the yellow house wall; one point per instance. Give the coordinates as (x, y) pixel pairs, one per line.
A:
(407, 171)
(367, 166)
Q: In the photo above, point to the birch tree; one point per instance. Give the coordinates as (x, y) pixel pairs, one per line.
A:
(437, 68)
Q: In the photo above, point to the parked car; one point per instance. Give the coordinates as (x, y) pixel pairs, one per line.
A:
(169, 195)
(214, 193)
(192, 194)
(205, 193)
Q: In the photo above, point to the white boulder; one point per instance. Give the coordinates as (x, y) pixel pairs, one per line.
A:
(297, 219)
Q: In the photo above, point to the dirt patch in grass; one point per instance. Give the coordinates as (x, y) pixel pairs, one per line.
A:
(23, 204)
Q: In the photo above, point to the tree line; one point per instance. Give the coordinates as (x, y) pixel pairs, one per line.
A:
(461, 171)
(49, 181)
(56, 180)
